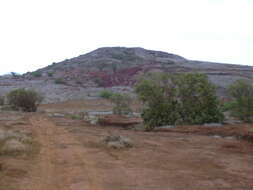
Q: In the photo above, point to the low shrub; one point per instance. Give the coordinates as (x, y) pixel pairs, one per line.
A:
(121, 103)
(59, 81)
(26, 100)
(36, 74)
(50, 74)
(107, 94)
(1, 100)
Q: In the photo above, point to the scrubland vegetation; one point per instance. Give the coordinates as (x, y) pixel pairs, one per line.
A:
(170, 99)
(178, 99)
(25, 100)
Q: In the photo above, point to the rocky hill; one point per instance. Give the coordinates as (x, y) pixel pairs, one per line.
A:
(120, 67)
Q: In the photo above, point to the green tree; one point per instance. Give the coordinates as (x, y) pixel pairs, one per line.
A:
(242, 93)
(197, 99)
(179, 98)
(121, 103)
(158, 95)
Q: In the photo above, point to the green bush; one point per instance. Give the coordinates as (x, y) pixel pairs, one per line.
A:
(98, 81)
(59, 81)
(1, 100)
(36, 74)
(228, 106)
(26, 100)
(176, 99)
(242, 93)
(50, 74)
(121, 104)
(107, 94)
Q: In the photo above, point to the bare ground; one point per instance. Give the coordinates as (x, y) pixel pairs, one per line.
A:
(71, 157)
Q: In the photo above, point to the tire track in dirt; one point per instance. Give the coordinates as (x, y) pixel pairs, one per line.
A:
(61, 163)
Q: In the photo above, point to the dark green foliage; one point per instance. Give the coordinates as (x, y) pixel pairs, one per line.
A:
(36, 74)
(1, 100)
(197, 100)
(59, 81)
(98, 81)
(228, 106)
(181, 98)
(50, 74)
(242, 93)
(26, 100)
(107, 94)
(159, 97)
(121, 103)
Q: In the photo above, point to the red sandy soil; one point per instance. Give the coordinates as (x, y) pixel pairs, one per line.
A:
(70, 156)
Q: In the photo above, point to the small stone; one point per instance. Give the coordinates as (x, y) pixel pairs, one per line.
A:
(58, 115)
(115, 144)
(216, 136)
(167, 127)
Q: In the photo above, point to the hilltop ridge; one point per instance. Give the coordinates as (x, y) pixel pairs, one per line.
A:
(117, 67)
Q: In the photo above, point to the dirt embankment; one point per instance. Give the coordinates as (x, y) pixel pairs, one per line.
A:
(242, 131)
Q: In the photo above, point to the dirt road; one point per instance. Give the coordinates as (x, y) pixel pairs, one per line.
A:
(71, 157)
(62, 163)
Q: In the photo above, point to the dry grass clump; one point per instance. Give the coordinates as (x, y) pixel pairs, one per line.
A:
(14, 142)
(117, 142)
(13, 146)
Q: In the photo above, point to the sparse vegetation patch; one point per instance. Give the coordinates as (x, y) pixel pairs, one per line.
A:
(36, 74)
(25, 100)
(60, 81)
(107, 94)
(121, 103)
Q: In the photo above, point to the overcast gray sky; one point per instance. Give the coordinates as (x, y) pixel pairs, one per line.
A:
(35, 33)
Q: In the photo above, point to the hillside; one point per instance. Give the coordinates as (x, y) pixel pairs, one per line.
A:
(118, 67)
